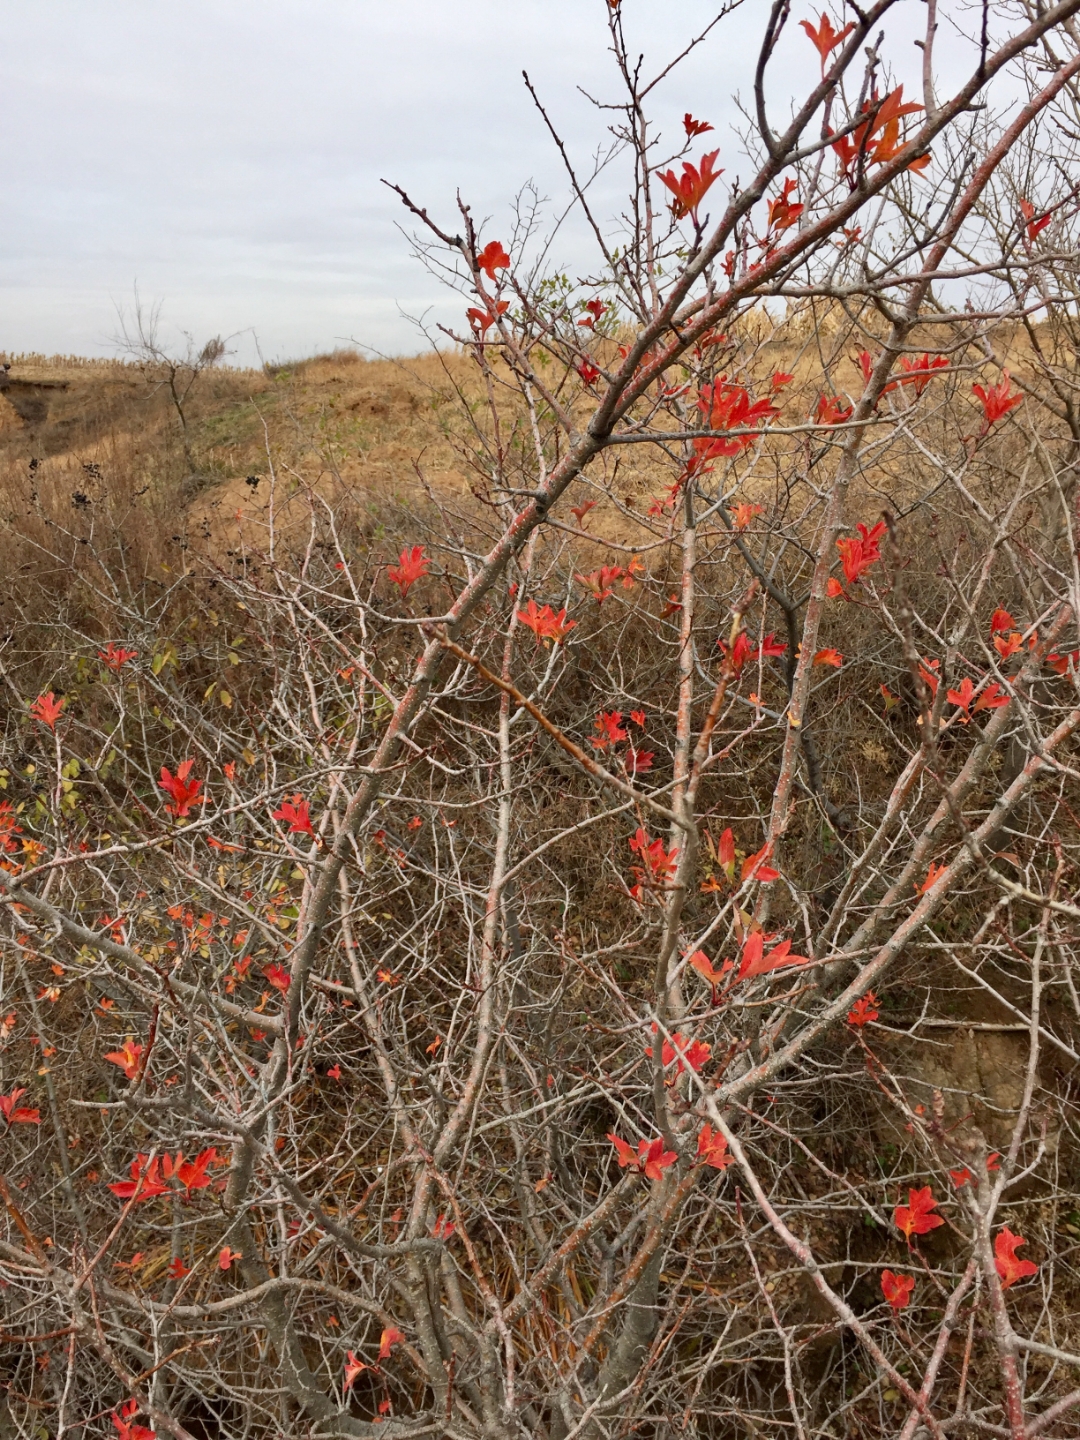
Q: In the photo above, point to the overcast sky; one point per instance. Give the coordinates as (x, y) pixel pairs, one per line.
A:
(225, 155)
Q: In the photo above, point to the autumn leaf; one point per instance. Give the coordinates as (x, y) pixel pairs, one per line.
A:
(691, 187)
(825, 39)
(754, 867)
(916, 1217)
(997, 400)
(992, 698)
(177, 1269)
(227, 1257)
(145, 1180)
(782, 213)
(184, 793)
(864, 1010)
(897, 1289)
(918, 372)
(608, 724)
(127, 1057)
(858, 553)
(658, 864)
(700, 962)
(16, 1114)
(712, 1149)
(651, 1158)
(191, 1174)
(1058, 663)
(755, 962)
(126, 1428)
(962, 697)
(1008, 1267)
(412, 564)
(545, 624)
(932, 876)
(387, 1340)
(1007, 645)
(831, 410)
(278, 976)
(481, 321)
(693, 1052)
(1033, 227)
(115, 656)
(579, 512)
(47, 708)
(741, 515)
(599, 582)
(625, 1152)
(1000, 621)
(829, 657)
(693, 127)
(295, 814)
(353, 1368)
(493, 257)
(655, 1159)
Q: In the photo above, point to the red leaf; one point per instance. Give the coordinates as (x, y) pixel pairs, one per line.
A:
(278, 976)
(127, 1057)
(624, 1151)
(712, 1149)
(694, 127)
(754, 867)
(915, 1218)
(126, 1427)
(493, 257)
(997, 400)
(184, 793)
(859, 553)
(1034, 227)
(755, 962)
(18, 1114)
(387, 1340)
(741, 515)
(692, 185)
(931, 880)
(782, 213)
(145, 1180)
(825, 39)
(115, 657)
(1008, 1267)
(653, 1159)
(897, 1289)
(412, 564)
(599, 582)
(831, 410)
(545, 624)
(919, 372)
(227, 1256)
(353, 1368)
(829, 657)
(47, 708)
(864, 1010)
(992, 698)
(295, 814)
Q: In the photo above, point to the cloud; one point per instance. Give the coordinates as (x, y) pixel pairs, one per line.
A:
(227, 155)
